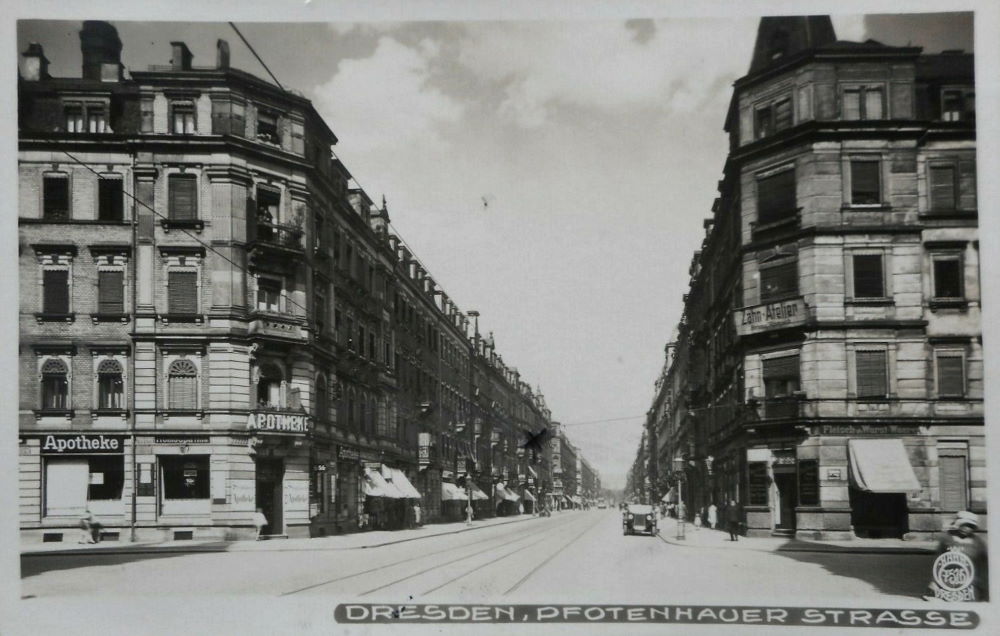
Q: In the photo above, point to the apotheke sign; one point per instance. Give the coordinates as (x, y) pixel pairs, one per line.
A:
(786, 313)
(278, 422)
(83, 444)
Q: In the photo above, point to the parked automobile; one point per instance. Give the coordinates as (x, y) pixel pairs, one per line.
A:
(602, 504)
(638, 518)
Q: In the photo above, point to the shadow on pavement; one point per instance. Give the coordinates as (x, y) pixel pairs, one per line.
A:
(35, 564)
(895, 574)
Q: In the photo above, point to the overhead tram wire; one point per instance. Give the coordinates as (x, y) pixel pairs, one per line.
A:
(257, 56)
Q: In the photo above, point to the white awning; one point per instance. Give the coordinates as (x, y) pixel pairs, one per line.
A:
(451, 492)
(374, 485)
(477, 493)
(881, 466)
(507, 494)
(528, 496)
(669, 497)
(532, 471)
(403, 484)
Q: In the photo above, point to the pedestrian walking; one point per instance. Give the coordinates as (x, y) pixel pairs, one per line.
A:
(87, 527)
(733, 520)
(713, 516)
(697, 521)
(416, 514)
(259, 521)
(961, 538)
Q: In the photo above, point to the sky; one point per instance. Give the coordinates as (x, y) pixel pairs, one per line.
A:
(596, 144)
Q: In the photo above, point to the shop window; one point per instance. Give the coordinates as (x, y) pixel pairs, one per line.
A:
(268, 295)
(107, 477)
(869, 276)
(110, 386)
(66, 486)
(55, 197)
(182, 296)
(184, 476)
(776, 197)
(872, 374)
(183, 191)
(182, 385)
(111, 292)
(269, 387)
(55, 385)
(950, 372)
(808, 485)
(55, 291)
(182, 116)
(942, 188)
(778, 282)
(958, 104)
(947, 273)
(110, 200)
(863, 103)
(866, 186)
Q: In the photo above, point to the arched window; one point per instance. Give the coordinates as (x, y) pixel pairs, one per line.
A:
(182, 385)
(269, 386)
(322, 410)
(55, 384)
(110, 387)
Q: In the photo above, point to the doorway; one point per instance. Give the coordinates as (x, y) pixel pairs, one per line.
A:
(788, 496)
(270, 480)
(878, 515)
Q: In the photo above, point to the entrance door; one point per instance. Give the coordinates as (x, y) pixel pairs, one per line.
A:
(270, 478)
(878, 515)
(787, 498)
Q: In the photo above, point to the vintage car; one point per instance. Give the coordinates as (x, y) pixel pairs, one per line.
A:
(638, 518)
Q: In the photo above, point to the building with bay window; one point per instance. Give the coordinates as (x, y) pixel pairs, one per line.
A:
(844, 396)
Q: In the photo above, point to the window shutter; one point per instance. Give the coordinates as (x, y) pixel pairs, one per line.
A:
(221, 117)
(865, 183)
(852, 105)
(776, 197)
(783, 114)
(110, 292)
(871, 374)
(183, 197)
(183, 393)
(954, 482)
(950, 376)
(873, 104)
(868, 276)
(55, 299)
(55, 193)
(183, 293)
(110, 199)
(785, 367)
(942, 188)
(779, 281)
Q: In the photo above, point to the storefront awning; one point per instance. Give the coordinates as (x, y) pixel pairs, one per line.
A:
(451, 492)
(506, 494)
(477, 493)
(528, 496)
(374, 485)
(881, 466)
(532, 472)
(669, 497)
(403, 484)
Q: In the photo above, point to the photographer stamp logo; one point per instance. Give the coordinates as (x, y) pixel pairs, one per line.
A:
(953, 574)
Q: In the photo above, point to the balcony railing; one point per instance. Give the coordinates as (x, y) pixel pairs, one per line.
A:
(276, 235)
(780, 408)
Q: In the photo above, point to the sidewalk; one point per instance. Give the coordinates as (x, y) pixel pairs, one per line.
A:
(353, 541)
(708, 538)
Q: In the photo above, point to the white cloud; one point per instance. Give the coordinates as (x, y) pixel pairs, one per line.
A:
(603, 65)
(392, 88)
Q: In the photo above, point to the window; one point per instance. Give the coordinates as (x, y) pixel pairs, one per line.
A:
(863, 103)
(950, 374)
(267, 126)
(954, 477)
(182, 385)
(865, 182)
(868, 276)
(872, 374)
(182, 296)
(268, 295)
(958, 104)
(183, 190)
(111, 292)
(55, 291)
(107, 477)
(182, 118)
(55, 197)
(55, 385)
(776, 197)
(322, 402)
(184, 476)
(947, 272)
(778, 282)
(74, 118)
(110, 201)
(97, 119)
(319, 303)
(269, 387)
(782, 114)
(146, 115)
(942, 188)
(268, 204)
(110, 387)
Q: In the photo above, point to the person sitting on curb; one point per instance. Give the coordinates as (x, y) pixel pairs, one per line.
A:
(87, 528)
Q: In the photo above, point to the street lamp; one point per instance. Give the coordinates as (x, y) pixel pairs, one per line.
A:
(679, 470)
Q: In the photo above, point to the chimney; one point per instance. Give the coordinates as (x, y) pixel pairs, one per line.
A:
(222, 55)
(181, 60)
(34, 64)
(102, 51)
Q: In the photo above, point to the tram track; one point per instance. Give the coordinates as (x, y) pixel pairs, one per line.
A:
(551, 556)
(425, 555)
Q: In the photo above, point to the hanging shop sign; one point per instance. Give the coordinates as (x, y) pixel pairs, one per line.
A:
(786, 313)
(83, 445)
(424, 449)
(272, 422)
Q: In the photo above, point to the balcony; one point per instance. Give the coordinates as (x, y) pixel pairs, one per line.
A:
(276, 239)
(780, 408)
(281, 326)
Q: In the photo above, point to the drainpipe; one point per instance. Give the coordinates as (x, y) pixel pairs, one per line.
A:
(133, 261)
